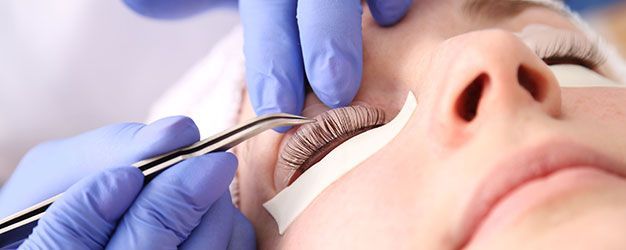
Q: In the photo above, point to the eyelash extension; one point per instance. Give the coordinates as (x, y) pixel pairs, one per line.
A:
(571, 49)
(313, 141)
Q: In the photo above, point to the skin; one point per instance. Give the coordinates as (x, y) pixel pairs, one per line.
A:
(413, 193)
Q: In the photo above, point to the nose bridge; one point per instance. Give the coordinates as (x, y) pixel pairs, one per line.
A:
(496, 53)
(493, 75)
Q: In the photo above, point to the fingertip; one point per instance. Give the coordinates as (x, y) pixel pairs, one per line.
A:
(203, 177)
(283, 129)
(337, 99)
(222, 164)
(388, 12)
(115, 189)
(289, 109)
(171, 124)
(167, 134)
(137, 6)
(274, 72)
(338, 89)
(332, 48)
(131, 176)
(273, 110)
(270, 95)
(227, 159)
(165, 9)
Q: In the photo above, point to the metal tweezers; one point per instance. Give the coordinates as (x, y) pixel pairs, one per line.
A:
(13, 227)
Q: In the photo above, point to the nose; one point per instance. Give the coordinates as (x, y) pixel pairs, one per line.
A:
(490, 76)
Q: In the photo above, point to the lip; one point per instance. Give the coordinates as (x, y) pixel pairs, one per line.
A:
(512, 172)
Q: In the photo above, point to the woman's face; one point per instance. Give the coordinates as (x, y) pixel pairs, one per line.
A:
(495, 156)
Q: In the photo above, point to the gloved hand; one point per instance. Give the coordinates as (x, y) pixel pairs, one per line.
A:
(286, 38)
(177, 8)
(52, 167)
(186, 206)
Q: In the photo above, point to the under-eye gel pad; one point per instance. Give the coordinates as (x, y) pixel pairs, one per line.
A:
(291, 201)
(569, 75)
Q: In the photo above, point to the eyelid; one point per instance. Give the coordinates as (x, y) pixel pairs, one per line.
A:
(561, 46)
(571, 48)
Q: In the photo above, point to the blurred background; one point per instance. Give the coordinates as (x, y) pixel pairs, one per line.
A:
(69, 66)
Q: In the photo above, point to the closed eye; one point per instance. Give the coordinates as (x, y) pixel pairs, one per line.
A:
(571, 48)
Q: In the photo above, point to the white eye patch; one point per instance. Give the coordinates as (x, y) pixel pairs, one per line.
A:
(576, 76)
(287, 205)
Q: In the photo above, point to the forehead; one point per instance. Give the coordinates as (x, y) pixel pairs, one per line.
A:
(498, 9)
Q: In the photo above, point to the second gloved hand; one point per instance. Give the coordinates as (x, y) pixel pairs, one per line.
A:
(283, 39)
(186, 206)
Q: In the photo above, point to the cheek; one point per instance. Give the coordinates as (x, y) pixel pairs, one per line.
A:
(256, 162)
(606, 105)
(357, 207)
(256, 165)
(379, 199)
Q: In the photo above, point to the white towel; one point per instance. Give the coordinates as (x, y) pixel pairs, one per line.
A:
(210, 93)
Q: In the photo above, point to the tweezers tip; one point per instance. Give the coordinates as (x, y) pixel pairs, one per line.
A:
(305, 120)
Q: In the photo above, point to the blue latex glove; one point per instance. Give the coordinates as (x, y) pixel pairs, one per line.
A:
(186, 206)
(169, 9)
(52, 167)
(286, 38)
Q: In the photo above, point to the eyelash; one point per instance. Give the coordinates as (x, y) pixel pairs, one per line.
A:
(313, 141)
(571, 49)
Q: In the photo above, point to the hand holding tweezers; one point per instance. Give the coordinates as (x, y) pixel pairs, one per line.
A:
(13, 227)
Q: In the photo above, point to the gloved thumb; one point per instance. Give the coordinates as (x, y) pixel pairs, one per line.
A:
(86, 215)
(388, 12)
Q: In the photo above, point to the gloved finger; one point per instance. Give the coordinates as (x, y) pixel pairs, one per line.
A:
(222, 227)
(215, 228)
(175, 9)
(161, 136)
(172, 204)
(243, 236)
(388, 12)
(274, 70)
(86, 215)
(74, 158)
(330, 32)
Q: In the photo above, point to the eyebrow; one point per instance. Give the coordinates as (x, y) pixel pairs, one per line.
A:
(499, 9)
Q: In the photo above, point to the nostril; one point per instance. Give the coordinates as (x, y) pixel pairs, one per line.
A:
(467, 103)
(530, 81)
